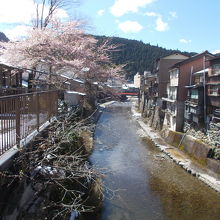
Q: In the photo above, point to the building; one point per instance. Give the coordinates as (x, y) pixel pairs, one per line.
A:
(162, 67)
(213, 84)
(10, 77)
(11, 82)
(73, 98)
(195, 105)
(150, 86)
(115, 83)
(138, 79)
(181, 75)
(72, 84)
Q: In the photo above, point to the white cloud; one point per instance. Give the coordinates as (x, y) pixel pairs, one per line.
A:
(21, 11)
(17, 32)
(100, 12)
(130, 26)
(121, 7)
(184, 41)
(173, 14)
(161, 25)
(151, 14)
(216, 51)
(14, 11)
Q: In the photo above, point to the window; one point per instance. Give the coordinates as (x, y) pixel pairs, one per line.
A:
(174, 73)
(172, 93)
(194, 94)
(216, 69)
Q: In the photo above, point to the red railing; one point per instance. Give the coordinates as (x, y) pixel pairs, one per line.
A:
(21, 114)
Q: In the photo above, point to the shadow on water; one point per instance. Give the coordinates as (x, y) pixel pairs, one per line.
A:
(147, 184)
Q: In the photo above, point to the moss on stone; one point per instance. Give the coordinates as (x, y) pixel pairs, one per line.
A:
(181, 147)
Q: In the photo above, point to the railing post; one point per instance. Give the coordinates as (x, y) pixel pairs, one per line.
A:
(38, 111)
(18, 122)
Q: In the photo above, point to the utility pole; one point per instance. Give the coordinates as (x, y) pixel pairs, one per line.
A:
(204, 93)
(191, 73)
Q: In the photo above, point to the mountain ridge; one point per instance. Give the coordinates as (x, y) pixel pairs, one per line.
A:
(138, 56)
(3, 37)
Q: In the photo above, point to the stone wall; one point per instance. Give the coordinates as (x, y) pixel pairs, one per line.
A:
(153, 116)
(212, 138)
(194, 141)
(214, 133)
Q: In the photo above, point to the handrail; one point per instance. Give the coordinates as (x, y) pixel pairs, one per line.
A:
(21, 114)
(25, 94)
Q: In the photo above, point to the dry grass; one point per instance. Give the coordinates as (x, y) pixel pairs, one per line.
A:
(87, 139)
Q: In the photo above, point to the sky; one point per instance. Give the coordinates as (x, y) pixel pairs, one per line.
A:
(187, 25)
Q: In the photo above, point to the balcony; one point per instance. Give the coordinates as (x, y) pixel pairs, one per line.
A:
(214, 92)
(195, 111)
(214, 72)
(192, 102)
(169, 99)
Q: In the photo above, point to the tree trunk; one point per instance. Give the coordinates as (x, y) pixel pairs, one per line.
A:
(90, 98)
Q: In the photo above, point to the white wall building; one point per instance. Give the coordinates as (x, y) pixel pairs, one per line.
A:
(137, 80)
(170, 118)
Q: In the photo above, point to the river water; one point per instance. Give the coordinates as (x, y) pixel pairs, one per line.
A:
(141, 182)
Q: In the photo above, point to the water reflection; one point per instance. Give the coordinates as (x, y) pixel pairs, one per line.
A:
(183, 196)
(148, 186)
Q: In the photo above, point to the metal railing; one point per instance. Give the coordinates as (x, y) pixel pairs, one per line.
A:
(21, 114)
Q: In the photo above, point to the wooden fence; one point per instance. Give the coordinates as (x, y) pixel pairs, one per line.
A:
(21, 114)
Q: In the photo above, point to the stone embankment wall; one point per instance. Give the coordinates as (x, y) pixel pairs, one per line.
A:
(212, 138)
(195, 148)
(204, 148)
(153, 117)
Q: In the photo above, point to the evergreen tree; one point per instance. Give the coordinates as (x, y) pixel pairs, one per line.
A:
(138, 56)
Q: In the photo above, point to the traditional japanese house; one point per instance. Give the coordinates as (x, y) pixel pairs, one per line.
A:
(181, 76)
(162, 67)
(213, 84)
(195, 105)
(10, 79)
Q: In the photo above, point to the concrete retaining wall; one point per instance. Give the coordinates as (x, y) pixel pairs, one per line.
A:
(189, 144)
(174, 138)
(213, 165)
(193, 147)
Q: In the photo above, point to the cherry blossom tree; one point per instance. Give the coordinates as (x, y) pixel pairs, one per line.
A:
(63, 46)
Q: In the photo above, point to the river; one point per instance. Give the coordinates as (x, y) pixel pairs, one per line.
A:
(142, 183)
